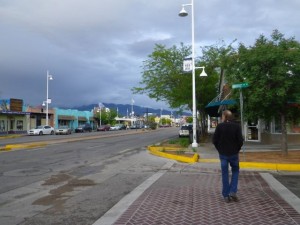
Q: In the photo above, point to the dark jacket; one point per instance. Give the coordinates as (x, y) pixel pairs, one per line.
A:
(228, 138)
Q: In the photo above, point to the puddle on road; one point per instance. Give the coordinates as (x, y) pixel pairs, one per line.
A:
(59, 195)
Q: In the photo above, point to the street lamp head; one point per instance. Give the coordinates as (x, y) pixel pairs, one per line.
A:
(50, 77)
(183, 13)
(43, 104)
(203, 74)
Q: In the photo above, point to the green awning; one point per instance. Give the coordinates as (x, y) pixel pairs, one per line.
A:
(212, 108)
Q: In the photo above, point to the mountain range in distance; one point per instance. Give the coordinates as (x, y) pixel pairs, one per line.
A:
(125, 110)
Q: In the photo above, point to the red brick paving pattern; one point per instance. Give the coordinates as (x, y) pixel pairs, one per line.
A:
(194, 198)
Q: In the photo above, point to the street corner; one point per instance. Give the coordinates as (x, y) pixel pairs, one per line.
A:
(174, 153)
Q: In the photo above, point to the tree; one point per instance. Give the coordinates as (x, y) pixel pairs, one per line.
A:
(189, 119)
(163, 79)
(107, 116)
(272, 69)
(162, 76)
(217, 61)
(151, 122)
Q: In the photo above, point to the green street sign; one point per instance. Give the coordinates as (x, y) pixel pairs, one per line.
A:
(241, 85)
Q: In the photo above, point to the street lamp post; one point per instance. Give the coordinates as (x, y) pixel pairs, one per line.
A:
(100, 117)
(48, 101)
(183, 13)
(100, 109)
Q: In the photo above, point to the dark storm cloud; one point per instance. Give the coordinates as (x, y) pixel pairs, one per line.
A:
(95, 49)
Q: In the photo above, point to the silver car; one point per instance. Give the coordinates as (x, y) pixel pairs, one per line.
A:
(41, 130)
(63, 130)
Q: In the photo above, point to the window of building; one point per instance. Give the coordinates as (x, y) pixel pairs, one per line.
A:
(2, 125)
(19, 124)
(290, 126)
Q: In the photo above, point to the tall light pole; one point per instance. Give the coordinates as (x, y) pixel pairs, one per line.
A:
(48, 101)
(100, 109)
(183, 13)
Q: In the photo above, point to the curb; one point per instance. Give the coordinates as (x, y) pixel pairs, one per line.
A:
(156, 150)
(271, 166)
(261, 165)
(10, 136)
(20, 146)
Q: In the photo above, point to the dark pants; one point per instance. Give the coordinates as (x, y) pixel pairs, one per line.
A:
(233, 161)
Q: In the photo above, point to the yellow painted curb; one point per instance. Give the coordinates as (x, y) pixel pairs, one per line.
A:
(260, 165)
(19, 146)
(10, 136)
(5, 148)
(271, 166)
(157, 150)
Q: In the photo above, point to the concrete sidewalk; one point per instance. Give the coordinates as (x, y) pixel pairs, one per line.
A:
(190, 194)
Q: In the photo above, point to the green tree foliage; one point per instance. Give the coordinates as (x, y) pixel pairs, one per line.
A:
(272, 69)
(151, 122)
(107, 116)
(162, 76)
(165, 121)
(163, 79)
(189, 119)
(216, 59)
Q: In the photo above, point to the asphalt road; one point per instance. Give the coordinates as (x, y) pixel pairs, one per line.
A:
(75, 182)
(290, 181)
(28, 138)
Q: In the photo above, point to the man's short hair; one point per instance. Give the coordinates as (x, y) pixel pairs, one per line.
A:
(227, 115)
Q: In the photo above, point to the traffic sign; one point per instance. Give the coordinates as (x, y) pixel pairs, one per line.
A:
(241, 85)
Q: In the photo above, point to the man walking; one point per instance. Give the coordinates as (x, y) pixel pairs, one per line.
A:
(228, 140)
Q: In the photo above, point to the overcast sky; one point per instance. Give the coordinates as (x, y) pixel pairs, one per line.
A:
(94, 49)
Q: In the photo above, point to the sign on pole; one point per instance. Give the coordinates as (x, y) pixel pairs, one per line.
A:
(187, 65)
(241, 85)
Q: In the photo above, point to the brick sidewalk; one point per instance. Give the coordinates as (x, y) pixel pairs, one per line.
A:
(194, 197)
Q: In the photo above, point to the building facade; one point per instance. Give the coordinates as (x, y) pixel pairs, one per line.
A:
(13, 117)
(16, 118)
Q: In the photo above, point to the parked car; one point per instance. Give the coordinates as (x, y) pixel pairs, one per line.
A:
(63, 130)
(122, 127)
(84, 128)
(40, 130)
(118, 127)
(135, 126)
(104, 128)
(114, 127)
(185, 130)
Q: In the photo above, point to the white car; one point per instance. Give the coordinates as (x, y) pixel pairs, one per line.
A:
(185, 130)
(40, 130)
(114, 128)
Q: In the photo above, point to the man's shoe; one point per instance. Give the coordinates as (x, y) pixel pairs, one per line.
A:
(227, 199)
(234, 197)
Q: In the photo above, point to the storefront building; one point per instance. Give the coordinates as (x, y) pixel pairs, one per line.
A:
(13, 118)
(72, 118)
(38, 116)
(256, 130)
